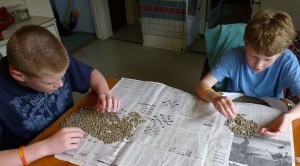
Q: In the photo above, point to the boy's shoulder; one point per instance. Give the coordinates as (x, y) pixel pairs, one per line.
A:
(235, 53)
(287, 61)
(288, 55)
(239, 50)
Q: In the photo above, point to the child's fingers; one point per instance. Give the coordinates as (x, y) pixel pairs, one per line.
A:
(75, 140)
(268, 132)
(116, 105)
(231, 108)
(224, 113)
(109, 103)
(101, 105)
(262, 130)
(228, 112)
(222, 110)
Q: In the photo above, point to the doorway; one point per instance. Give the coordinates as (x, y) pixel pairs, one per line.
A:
(74, 22)
(111, 20)
(117, 14)
(125, 21)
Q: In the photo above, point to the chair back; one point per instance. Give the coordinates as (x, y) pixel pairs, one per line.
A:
(221, 39)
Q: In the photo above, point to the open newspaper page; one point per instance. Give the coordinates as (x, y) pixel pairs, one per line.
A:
(231, 149)
(180, 129)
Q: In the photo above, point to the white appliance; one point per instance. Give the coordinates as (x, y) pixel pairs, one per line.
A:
(289, 6)
(208, 14)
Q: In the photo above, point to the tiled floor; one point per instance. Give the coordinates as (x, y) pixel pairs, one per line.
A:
(122, 55)
(129, 33)
(77, 40)
(117, 59)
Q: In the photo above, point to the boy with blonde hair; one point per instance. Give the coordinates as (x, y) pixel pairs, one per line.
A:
(263, 67)
(37, 79)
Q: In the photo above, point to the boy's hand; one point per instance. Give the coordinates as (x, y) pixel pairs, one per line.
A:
(278, 126)
(63, 140)
(224, 106)
(107, 102)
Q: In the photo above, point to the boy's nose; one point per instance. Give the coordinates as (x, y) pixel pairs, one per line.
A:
(58, 84)
(258, 63)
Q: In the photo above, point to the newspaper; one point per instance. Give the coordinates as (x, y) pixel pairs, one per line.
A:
(182, 130)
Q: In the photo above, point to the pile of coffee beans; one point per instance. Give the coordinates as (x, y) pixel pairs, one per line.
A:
(107, 127)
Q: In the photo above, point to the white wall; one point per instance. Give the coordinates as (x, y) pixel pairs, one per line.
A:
(289, 6)
(85, 22)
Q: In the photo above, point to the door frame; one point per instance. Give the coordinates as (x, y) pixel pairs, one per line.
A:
(101, 17)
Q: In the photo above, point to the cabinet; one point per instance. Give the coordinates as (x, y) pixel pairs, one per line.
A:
(47, 22)
(35, 7)
(39, 8)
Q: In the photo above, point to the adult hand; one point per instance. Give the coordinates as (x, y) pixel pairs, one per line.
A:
(107, 102)
(63, 140)
(224, 106)
(278, 126)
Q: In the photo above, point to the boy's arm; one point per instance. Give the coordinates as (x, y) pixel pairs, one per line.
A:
(283, 122)
(11, 157)
(202, 88)
(223, 104)
(106, 100)
(98, 82)
(63, 140)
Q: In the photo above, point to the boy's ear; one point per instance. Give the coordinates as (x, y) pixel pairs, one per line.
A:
(17, 75)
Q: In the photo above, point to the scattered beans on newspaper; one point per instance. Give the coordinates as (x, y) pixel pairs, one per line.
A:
(107, 127)
(240, 125)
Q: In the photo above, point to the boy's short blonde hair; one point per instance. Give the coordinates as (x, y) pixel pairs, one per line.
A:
(35, 51)
(269, 32)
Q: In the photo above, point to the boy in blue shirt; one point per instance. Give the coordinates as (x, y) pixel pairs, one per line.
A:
(37, 79)
(261, 68)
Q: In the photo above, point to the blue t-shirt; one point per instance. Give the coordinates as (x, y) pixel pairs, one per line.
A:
(24, 112)
(285, 72)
